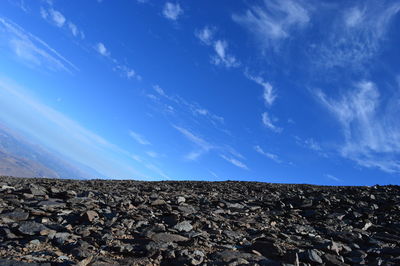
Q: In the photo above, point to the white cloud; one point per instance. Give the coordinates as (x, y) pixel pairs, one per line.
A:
(139, 139)
(271, 156)
(127, 72)
(370, 125)
(187, 107)
(57, 17)
(269, 95)
(312, 145)
(31, 49)
(234, 161)
(123, 69)
(101, 49)
(152, 154)
(274, 21)
(21, 5)
(160, 91)
(203, 146)
(172, 11)
(357, 35)
(201, 143)
(334, 178)
(75, 30)
(213, 174)
(221, 57)
(206, 35)
(354, 16)
(43, 13)
(266, 120)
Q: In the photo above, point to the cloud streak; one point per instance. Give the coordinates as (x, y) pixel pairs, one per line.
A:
(269, 94)
(274, 21)
(267, 122)
(58, 19)
(234, 161)
(270, 156)
(357, 35)
(370, 125)
(31, 49)
(139, 138)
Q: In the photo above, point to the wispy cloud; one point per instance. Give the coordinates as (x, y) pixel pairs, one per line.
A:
(31, 49)
(274, 21)
(75, 31)
(266, 120)
(202, 145)
(269, 95)
(309, 143)
(172, 11)
(370, 124)
(101, 49)
(357, 35)
(127, 72)
(123, 69)
(206, 35)
(152, 154)
(234, 161)
(187, 107)
(221, 57)
(271, 156)
(58, 19)
(334, 178)
(139, 138)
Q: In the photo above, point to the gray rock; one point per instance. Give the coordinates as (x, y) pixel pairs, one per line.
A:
(311, 255)
(6, 262)
(180, 200)
(168, 237)
(51, 204)
(184, 226)
(31, 228)
(17, 216)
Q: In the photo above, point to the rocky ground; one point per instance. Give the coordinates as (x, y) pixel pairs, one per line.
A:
(66, 222)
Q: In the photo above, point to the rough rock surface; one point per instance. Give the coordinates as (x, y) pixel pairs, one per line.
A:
(69, 222)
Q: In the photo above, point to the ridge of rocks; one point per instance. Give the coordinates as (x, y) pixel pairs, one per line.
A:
(104, 222)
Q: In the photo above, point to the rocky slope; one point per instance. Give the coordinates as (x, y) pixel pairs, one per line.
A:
(66, 222)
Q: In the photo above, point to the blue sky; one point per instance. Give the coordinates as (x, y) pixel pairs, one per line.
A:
(276, 91)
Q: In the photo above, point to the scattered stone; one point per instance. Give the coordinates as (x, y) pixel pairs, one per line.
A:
(90, 216)
(184, 226)
(180, 200)
(311, 255)
(96, 222)
(15, 215)
(168, 237)
(158, 202)
(31, 228)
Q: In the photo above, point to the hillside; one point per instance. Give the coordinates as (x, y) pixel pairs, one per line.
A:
(67, 222)
(20, 157)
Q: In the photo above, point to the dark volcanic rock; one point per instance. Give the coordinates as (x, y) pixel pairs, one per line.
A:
(67, 222)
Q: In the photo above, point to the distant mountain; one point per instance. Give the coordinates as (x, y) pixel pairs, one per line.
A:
(22, 158)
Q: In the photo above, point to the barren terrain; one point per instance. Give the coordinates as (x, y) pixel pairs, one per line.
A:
(68, 222)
